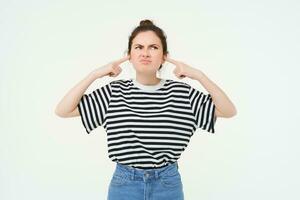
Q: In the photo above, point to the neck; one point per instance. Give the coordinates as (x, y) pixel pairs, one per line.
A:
(147, 79)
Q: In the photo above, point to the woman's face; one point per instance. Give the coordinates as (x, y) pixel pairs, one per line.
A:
(146, 52)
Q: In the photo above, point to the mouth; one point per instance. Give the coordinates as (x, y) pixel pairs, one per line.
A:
(145, 61)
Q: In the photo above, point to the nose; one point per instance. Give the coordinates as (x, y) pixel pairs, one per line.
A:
(145, 53)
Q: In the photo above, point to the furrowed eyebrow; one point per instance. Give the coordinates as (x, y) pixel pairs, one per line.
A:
(149, 45)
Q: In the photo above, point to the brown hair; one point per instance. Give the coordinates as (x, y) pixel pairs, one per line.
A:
(147, 25)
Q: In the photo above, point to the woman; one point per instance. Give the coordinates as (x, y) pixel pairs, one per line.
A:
(149, 121)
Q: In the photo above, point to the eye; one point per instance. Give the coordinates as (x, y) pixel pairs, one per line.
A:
(137, 47)
(154, 47)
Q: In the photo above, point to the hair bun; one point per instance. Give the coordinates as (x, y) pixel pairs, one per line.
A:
(146, 22)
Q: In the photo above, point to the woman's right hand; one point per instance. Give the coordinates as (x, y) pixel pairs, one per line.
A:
(111, 69)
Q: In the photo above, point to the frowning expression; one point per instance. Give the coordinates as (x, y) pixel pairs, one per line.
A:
(146, 53)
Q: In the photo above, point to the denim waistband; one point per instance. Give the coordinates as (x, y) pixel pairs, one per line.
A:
(136, 173)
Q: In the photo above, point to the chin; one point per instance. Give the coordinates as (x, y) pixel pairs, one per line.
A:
(150, 66)
(145, 70)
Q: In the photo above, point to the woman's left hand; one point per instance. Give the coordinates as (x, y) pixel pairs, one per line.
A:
(182, 70)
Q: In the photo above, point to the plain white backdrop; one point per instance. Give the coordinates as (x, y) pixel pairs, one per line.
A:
(248, 48)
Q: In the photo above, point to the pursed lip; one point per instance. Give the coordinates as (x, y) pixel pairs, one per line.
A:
(145, 61)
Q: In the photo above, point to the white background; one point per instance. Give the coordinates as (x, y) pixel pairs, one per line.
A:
(250, 49)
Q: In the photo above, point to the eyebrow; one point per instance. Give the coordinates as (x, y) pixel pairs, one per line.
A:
(143, 45)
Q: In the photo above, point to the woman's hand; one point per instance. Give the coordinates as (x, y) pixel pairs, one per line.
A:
(111, 69)
(182, 70)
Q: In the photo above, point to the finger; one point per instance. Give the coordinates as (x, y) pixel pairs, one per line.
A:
(122, 60)
(116, 71)
(171, 60)
(119, 70)
(176, 74)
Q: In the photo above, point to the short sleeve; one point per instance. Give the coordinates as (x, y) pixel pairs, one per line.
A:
(93, 107)
(203, 109)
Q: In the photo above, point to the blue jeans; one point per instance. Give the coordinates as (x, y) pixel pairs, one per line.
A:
(129, 183)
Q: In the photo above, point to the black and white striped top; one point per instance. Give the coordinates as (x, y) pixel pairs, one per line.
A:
(147, 126)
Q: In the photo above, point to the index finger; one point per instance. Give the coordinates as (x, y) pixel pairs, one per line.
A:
(171, 60)
(122, 60)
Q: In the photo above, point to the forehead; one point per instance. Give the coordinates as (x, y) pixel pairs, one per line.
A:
(145, 38)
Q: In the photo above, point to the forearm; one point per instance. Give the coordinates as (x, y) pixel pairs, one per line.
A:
(70, 101)
(220, 99)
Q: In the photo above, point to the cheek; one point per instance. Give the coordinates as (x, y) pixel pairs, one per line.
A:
(158, 57)
(158, 54)
(133, 56)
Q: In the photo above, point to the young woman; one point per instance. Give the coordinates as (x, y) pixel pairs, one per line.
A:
(149, 121)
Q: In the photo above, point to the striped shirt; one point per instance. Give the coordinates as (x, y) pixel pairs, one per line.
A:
(147, 126)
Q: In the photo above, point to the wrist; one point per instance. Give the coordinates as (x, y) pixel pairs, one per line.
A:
(95, 74)
(198, 74)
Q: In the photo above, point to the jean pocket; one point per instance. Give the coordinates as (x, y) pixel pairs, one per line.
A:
(171, 179)
(118, 179)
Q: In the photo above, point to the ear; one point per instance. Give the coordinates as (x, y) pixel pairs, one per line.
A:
(128, 54)
(164, 58)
